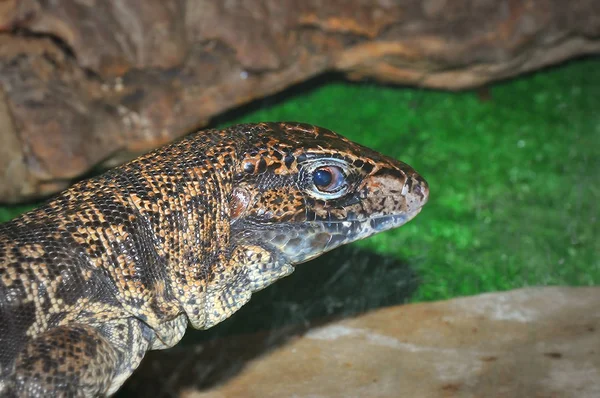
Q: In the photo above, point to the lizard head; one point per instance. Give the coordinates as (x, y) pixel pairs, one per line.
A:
(300, 191)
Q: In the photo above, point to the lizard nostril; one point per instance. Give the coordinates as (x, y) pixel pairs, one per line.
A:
(422, 190)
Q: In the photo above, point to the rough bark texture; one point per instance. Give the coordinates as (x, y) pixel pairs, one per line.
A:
(84, 82)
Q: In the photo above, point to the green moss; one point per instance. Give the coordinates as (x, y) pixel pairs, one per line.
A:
(9, 212)
(514, 179)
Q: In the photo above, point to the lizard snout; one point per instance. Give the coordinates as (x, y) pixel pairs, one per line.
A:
(420, 188)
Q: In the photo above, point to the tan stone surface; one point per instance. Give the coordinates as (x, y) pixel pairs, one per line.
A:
(540, 342)
(89, 82)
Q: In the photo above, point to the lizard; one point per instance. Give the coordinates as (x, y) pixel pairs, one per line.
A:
(122, 263)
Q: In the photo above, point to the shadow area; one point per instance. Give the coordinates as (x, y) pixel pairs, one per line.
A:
(340, 284)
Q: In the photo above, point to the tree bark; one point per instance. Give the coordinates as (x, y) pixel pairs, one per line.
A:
(90, 82)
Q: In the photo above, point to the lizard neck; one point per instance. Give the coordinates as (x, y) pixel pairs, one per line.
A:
(180, 196)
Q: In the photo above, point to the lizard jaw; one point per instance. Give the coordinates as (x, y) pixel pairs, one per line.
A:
(307, 240)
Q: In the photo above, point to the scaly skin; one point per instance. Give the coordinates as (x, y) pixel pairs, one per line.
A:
(119, 264)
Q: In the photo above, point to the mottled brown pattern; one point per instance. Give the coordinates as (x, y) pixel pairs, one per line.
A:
(121, 263)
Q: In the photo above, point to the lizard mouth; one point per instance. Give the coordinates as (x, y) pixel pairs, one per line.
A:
(383, 223)
(303, 241)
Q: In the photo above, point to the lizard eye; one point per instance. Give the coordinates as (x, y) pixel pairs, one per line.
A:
(328, 178)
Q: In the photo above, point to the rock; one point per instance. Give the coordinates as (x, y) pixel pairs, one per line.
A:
(87, 82)
(537, 342)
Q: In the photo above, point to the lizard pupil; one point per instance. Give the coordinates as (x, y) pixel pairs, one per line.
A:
(328, 180)
(322, 178)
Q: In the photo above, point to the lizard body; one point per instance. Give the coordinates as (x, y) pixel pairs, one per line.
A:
(121, 263)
